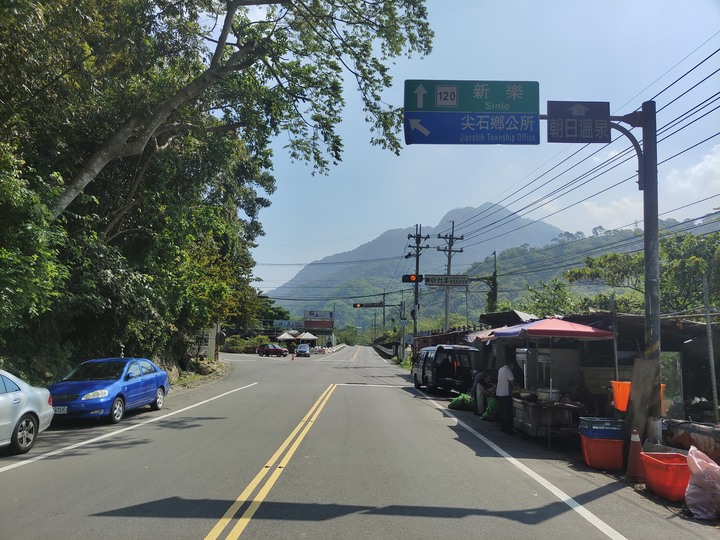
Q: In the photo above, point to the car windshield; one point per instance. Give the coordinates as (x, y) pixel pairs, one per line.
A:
(99, 371)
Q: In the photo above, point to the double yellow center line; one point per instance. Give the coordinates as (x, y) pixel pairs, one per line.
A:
(286, 451)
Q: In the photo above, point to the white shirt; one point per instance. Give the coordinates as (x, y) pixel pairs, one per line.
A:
(505, 380)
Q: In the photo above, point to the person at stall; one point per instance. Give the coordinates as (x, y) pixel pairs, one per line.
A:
(506, 384)
(483, 389)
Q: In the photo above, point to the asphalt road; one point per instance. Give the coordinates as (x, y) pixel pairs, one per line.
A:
(328, 447)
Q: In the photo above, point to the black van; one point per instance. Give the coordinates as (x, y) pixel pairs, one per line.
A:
(450, 367)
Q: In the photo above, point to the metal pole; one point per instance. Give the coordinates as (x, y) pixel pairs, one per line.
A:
(416, 310)
(651, 245)
(651, 241)
(711, 352)
(613, 313)
(450, 240)
(383, 302)
(647, 182)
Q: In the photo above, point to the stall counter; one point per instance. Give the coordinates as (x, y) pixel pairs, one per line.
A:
(546, 418)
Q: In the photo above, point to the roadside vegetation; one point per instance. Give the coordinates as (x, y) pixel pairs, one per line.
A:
(136, 157)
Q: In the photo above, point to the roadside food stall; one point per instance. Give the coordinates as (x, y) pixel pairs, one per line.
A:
(549, 354)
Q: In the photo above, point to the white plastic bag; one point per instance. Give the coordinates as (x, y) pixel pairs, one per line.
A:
(702, 495)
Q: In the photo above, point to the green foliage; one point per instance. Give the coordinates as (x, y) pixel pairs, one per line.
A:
(686, 260)
(348, 335)
(136, 160)
(31, 274)
(615, 269)
(549, 298)
(238, 344)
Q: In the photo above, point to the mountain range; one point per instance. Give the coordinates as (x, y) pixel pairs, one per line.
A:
(527, 252)
(376, 267)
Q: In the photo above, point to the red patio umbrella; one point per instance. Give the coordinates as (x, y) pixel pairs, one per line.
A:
(552, 328)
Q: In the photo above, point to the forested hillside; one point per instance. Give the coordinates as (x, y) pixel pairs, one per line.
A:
(523, 272)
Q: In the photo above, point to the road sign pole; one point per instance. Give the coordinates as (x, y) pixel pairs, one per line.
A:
(647, 379)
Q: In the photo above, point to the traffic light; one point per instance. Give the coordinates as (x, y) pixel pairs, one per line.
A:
(412, 278)
(357, 305)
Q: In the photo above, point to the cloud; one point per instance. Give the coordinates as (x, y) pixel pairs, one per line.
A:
(696, 181)
(619, 213)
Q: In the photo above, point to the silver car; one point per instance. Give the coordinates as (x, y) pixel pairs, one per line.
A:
(25, 411)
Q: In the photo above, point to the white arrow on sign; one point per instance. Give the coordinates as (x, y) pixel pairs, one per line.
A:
(578, 109)
(420, 93)
(415, 124)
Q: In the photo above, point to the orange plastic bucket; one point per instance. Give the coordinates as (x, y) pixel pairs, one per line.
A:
(621, 394)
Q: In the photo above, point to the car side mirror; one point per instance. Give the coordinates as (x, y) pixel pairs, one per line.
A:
(129, 376)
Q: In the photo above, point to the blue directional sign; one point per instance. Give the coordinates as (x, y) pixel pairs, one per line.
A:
(471, 112)
(578, 121)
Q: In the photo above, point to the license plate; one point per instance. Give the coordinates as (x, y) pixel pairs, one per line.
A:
(60, 410)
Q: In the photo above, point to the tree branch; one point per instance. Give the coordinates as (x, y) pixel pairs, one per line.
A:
(132, 137)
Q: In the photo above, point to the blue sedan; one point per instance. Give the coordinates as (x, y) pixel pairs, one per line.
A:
(107, 387)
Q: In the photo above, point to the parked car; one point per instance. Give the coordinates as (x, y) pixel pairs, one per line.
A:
(25, 412)
(107, 387)
(303, 350)
(449, 367)
(272, 349)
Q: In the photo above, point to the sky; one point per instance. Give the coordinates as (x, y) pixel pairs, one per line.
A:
(623, 52)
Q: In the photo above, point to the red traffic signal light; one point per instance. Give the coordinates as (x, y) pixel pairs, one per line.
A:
(412, 278)
(357, 305)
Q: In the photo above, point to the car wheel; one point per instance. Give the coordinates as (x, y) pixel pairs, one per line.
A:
(416, 382)
(24, 434)
(117, 411)
(428, 387)
(157, 404)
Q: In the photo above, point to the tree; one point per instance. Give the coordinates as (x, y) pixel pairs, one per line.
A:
(147, 133)
(548, 299)
(139, 69)
(348, 335)
(614, 269)
(30, 272)
(685, 260)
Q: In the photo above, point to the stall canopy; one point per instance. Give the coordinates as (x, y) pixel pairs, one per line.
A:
(552, 328)
(307, 336)
(482, 335)
(285, 337)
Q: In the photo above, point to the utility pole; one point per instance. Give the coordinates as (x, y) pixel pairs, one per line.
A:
(450, 239)
(645, 394)
(418, 249)
(492, 282)
(492, 296)
(383, 302)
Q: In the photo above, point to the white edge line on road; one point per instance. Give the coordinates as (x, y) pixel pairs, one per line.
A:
(560, 494)
(380, 357)
(123, 430)
(552, 488)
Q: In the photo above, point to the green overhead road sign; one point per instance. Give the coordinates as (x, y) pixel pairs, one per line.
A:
(445, 280)
(472, 96)
(472, 112)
